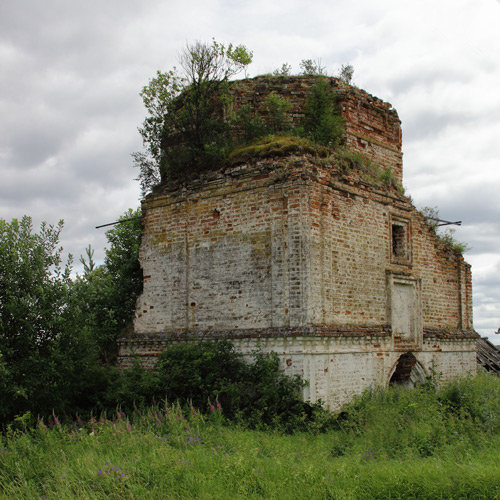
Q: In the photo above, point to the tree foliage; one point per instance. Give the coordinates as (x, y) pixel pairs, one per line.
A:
(312, 67)
(213, 64)
(284, 70)
(54, 331)
(33, 284)
(345, 73)
(183, 126)
(275, 115)
(322, 121)
(41, 347)
(104, 297)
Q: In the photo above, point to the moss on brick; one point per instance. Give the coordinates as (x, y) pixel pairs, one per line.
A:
(276, 145)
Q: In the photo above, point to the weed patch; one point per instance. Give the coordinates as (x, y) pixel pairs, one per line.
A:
(395, 443)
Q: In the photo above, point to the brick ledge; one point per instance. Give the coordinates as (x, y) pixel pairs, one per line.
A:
(305, 331)
(444, 333)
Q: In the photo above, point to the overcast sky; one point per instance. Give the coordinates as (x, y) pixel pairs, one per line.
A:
(70, 74)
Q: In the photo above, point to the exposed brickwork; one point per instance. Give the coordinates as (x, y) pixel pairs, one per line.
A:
(372, 125)
(338, 276)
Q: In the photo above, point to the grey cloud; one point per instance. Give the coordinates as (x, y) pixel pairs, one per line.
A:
(426, 76)
(34, 144)
(52, 184)
(473, 204)
(105, 168)
(478, 208)
(490, 284)
(430, 122)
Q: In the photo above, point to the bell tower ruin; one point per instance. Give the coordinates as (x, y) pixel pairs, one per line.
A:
(311, 257)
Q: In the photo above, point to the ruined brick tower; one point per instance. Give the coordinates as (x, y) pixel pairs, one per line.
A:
(336, 272)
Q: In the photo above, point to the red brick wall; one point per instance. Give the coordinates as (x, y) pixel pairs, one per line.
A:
(352, 253)
(372, 125)
(288, 243)
(225, 256)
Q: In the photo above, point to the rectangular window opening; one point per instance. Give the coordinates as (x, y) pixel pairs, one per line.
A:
(399, 241)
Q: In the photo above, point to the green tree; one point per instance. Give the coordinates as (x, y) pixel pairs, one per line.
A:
(46, 358)
(185, 128)
(54, 331)
(158, 96)
(322, 123)
(104, 297)
(312, 68)
(122, 265)
(345, 73)
(284, 70)
(275, 109)
(33, 284)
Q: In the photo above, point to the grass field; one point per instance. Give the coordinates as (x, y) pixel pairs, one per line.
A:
(395, 443)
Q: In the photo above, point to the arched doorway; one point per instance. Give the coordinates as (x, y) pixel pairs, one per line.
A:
(408, 371)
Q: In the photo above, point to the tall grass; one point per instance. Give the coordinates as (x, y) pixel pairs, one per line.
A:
(396, 443)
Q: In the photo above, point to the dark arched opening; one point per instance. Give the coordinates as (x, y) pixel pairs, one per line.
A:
(408, 371)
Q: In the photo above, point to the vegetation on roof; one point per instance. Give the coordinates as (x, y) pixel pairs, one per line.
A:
(368, 170)
(276, 145)
(195, 123)
(191, 125)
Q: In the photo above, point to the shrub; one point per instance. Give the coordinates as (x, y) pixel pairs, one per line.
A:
(249, 124)
(421, 421)
(322, 122)
(200, 372)
(284, 70)
(275, 108)
(253, 392)
(345, 73)
(312, 68)
(477, 398)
